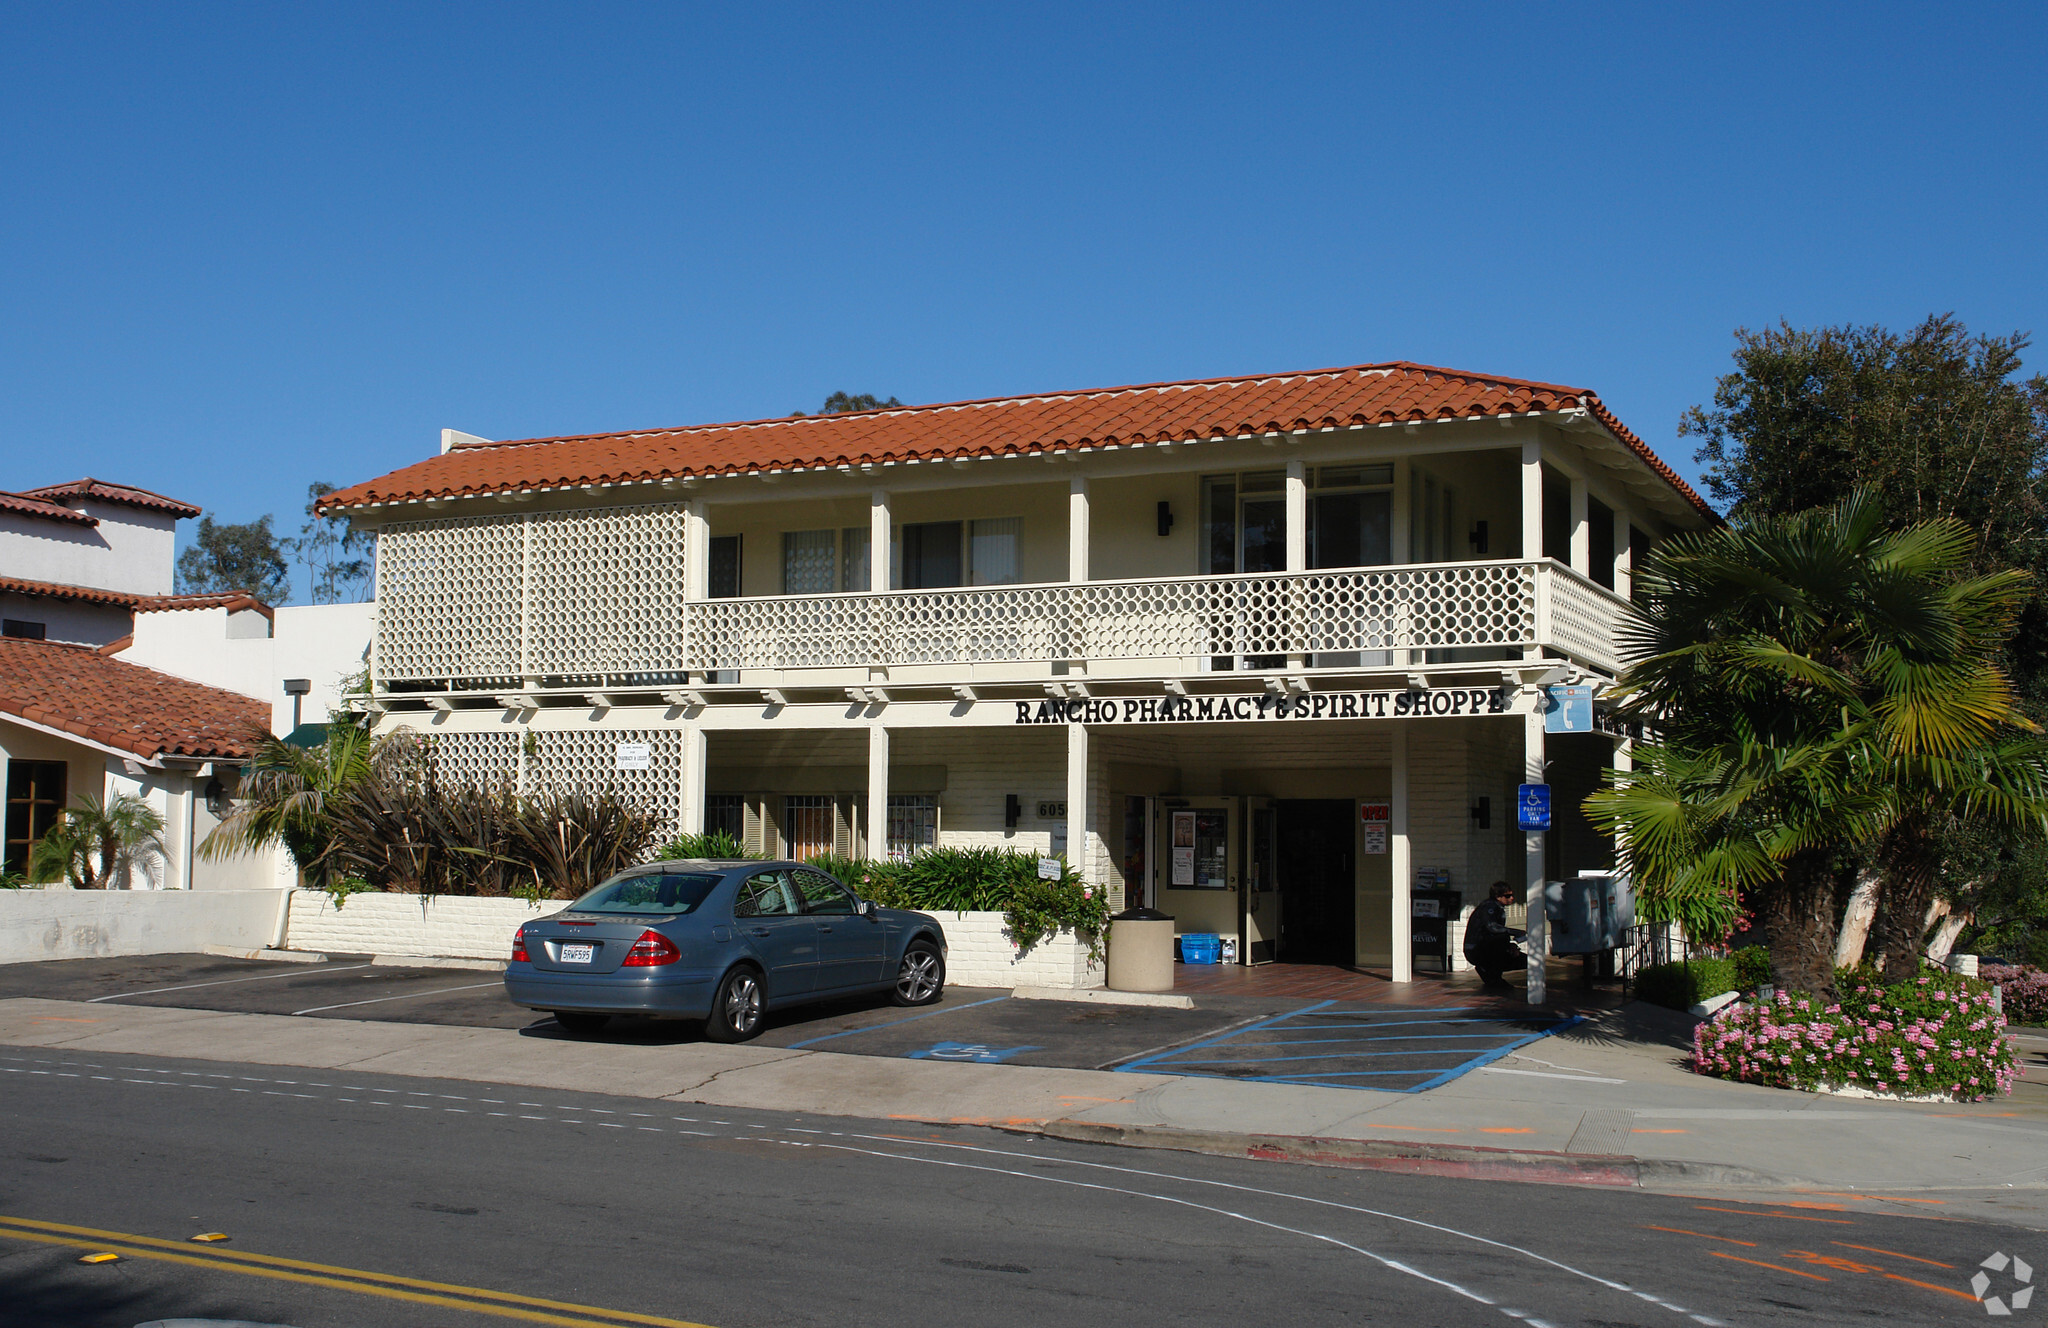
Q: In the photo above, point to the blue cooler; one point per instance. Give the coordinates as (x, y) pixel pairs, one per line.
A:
(1200, 947)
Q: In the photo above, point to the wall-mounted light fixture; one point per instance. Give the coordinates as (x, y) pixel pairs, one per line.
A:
(218, 803)
(1482, 813)
(1165, 518)
(1479, 538)
(296, 689)
(1013, 810)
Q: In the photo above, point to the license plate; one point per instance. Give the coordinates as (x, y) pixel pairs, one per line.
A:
(578, 954)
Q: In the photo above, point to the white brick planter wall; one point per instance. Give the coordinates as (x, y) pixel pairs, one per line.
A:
(979, 955)
(80, 924)
(461, 928)
(447, 926)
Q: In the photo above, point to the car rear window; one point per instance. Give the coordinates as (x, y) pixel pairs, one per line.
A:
(649, 892)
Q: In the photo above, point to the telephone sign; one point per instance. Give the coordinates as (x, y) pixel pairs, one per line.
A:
(1532, 807)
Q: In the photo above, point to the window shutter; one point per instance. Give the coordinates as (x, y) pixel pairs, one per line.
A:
(755, 839)
(846, 813)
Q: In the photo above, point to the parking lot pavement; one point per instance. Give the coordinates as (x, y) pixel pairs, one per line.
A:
(1275, 1039)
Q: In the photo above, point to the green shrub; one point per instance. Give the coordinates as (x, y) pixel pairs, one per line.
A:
(1936, 1035)
(713, 844)
(1752, 968)
(987, 880)
(1685, 983)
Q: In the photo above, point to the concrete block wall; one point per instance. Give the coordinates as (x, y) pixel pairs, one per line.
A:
(100, 924)
(395, 924)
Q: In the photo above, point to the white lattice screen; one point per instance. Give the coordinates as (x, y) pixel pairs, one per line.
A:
(1582, 618)
(605, 593)
(588, 596)
(485, 760)
(448, 600)
(587, 761)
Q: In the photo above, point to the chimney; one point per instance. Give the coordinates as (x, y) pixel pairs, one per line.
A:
(451, 438)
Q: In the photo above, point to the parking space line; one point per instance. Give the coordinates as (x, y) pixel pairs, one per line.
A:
(1498, 1052)
(438, 991)
(223, 982)
(1133, 1066)
(872, 1028)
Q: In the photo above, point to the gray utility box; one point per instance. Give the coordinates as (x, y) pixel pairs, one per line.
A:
(1589, 913)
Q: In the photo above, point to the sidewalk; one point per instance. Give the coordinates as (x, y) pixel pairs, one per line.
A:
(1604, 1103)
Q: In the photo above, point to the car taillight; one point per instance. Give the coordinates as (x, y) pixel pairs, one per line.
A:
(651, 951)
(519, 947)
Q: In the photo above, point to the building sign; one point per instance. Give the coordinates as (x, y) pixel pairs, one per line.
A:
(1411, 704)
(1568, 709)
(1532, 807)
(633, 756)
(1376, 813)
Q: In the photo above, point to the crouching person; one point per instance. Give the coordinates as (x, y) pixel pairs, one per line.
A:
(1489, 942)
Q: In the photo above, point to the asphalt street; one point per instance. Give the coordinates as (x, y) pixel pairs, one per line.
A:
(350, 1199)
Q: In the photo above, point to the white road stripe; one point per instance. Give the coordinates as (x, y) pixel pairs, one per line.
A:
(439, 991)
(223, 982)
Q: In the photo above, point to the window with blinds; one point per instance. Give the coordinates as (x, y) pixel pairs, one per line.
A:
(992, 551)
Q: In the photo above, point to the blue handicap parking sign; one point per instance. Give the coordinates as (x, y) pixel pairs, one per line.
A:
(1568, 708)
(1532, 806)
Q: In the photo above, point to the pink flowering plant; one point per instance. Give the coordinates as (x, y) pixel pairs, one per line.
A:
(1937, 1035)
(2026, 992)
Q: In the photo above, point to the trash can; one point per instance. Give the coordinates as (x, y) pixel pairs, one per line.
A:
(1141, 950)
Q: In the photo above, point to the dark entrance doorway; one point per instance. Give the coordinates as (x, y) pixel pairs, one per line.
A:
(1314, 848)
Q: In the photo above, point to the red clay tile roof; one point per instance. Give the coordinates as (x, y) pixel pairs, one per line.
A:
(127, 495)
(27, 506)
(1005, 426)
(77, 690)
(121, 599)
(230, 600)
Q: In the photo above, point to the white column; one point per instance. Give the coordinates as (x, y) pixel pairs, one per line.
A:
(878, 540)
(1077, 800)
(696, 551)
(1532, 498)
(1582, 531)
(878, 792)
(1532, 773)
(1077, 529)
(693, 780)
(1297, 516)
(1399, 858)
(179, 801)
(1624, 560)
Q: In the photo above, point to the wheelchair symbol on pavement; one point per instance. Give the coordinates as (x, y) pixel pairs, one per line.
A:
(968, 1051)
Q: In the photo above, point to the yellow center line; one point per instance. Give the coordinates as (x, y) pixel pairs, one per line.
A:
(529, 1308)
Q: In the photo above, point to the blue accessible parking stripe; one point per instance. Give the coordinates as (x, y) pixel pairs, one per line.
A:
(1459, 1040)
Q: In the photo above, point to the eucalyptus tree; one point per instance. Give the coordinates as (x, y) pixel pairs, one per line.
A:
(1818, 683)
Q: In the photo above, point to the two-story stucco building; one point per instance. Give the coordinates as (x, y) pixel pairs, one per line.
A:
(1262, 652)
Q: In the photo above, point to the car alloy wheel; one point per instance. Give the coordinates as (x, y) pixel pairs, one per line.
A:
(919, 978)
(742, 1008)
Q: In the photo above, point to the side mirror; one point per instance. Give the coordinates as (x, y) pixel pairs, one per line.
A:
(865, 907)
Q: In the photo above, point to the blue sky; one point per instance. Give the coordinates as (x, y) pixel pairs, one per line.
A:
(247, 247)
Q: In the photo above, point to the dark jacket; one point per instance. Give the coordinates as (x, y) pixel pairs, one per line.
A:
(1488, 942)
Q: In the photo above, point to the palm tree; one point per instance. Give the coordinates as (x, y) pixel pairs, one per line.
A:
(288, 798)
(1819, 684)
(98, 843)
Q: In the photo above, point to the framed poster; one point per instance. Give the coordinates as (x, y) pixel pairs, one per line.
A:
(1183, 849)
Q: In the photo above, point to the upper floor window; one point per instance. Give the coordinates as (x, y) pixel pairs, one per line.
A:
(27, 631)
(1350, 519)
(986, 552)
(819, 562)
(725, 567)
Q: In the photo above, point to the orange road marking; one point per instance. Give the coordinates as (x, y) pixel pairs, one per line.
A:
(1826, 1208)
(1703, 1235)
(1888, 1198)
(1505, 1129)
(1427, 1129)
(1946, 1291)
(1660, 1131)
(1872, 1249)
(1723, 1254)
(1789, 1217)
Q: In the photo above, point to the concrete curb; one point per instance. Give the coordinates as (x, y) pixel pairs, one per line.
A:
(269, 956)
(433, 961)
(1104, 996)
(1461, 1162)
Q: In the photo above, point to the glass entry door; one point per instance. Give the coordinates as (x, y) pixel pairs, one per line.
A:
(1259, 902)
(1202, 858)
